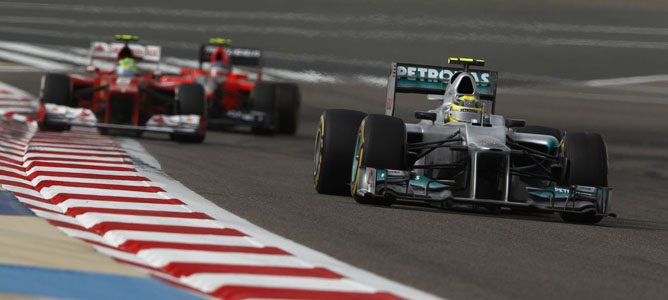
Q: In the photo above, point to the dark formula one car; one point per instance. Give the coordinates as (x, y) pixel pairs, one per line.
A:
(127, 96)
(460, 153)
(232, 79)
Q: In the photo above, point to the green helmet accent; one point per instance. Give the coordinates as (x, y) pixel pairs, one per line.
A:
(127, 66)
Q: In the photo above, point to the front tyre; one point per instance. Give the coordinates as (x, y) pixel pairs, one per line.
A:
(333, 151)
(380, 144)
(56, 89)
(587, 160)
(191, 100)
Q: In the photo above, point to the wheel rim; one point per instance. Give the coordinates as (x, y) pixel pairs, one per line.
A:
(317, 152)
(356, 162)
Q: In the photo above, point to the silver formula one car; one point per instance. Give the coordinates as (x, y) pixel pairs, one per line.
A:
(460, 153)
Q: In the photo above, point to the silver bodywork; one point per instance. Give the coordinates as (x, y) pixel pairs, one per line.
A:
(477, 145)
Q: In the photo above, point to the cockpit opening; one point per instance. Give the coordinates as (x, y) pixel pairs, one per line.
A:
(466, 86)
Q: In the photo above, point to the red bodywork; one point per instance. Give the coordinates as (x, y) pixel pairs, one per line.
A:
(125, 100)
(225, 91)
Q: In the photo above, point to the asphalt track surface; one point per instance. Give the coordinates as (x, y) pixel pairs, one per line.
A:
(545, 50)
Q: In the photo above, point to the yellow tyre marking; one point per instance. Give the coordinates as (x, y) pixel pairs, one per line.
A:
(359, 161)
(322, 142)
(357, 173)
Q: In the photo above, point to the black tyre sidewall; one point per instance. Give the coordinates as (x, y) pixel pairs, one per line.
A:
(339, 129)
(56, 89)
(191, 100)
(383, 147)
(587, 159)
(264, 100)
(384, 143)
(289, 100)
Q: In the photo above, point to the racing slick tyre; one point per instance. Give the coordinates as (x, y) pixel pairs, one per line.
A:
(544, 130)
(56, 89)
(381, 144)
(587, 159)
(334, 146)
(288, 97)
(191, 100)
(264, 100)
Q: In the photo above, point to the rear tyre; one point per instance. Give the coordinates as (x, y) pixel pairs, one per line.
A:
(56, 89)
(191, 100)
(587, 159)
(334, 147)
(288, 97)
(264, 100)
(381, 144)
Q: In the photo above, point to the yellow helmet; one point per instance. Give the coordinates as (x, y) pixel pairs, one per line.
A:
(464, 108)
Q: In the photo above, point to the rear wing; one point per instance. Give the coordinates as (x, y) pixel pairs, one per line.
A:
(109, 52)
(424, 79)
(251, 57)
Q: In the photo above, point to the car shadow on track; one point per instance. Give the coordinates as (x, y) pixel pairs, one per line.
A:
(611, 222)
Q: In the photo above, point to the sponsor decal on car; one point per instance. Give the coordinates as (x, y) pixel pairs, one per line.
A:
(435, 74)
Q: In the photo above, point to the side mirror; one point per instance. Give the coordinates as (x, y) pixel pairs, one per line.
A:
(424, 115)
(510, 123)
(186, 71)
(92, 69)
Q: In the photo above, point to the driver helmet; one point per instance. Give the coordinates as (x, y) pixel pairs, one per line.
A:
(464, 108)
(219, 69)
(127, 67)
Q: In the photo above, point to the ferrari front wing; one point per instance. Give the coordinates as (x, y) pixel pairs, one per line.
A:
(71, 116)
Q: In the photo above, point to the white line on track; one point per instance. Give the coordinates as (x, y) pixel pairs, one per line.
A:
(611, 97)
(374, 34)
(161, 257)
(626, 80)
(210, 282)
(83, 234)
(346, 19)
(49, 53)
(39, 204)
(33, 61)
(53, 191)
(118, 237)
(73, 203)
(91, 219)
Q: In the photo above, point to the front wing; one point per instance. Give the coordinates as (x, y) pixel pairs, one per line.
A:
(65, 115)
(406, 186)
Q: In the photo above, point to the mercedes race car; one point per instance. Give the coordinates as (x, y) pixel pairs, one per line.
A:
(461, 153)
(232, 80)
(121, 91)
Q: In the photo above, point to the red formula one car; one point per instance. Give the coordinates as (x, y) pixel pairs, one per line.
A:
(232, 80)
(127, 96)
